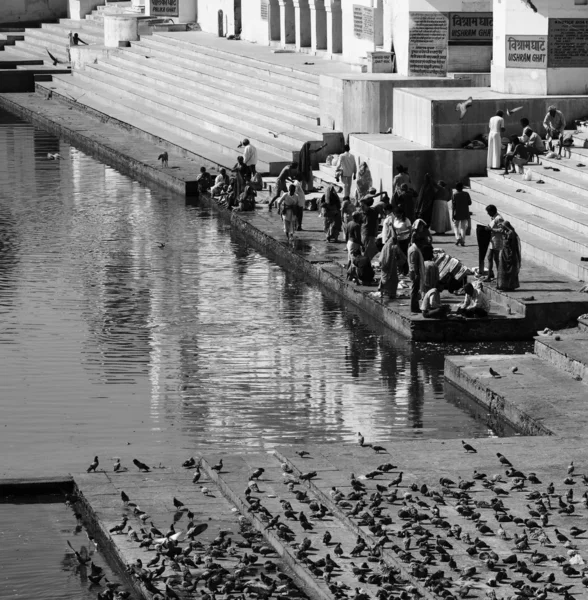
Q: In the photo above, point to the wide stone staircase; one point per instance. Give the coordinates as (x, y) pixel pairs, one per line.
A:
(550, 212)
(202, 100)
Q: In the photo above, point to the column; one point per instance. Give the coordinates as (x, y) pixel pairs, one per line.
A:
(302, 18)
(318, 25)
(334, 27)
(274, 21)
(287, 22)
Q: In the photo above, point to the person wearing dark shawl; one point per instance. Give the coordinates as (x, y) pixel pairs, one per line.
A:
(331, 210)
(391, 259)
(509, 259)
(360, 270)
(426, 199)
(403, 199)
(305, 159)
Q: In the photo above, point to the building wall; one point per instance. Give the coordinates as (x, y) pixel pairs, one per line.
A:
(355, 48)
(397, 23)
(14, 11)
(515, 18)
(208, 15)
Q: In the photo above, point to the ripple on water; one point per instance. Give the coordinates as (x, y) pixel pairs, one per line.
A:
(109, 339)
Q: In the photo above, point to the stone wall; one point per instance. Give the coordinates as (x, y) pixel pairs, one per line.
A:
(15, 11)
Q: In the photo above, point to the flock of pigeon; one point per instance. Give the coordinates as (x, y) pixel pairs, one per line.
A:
(456, 539)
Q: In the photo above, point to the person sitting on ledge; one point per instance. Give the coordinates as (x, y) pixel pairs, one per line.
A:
(360, 270)
(431, 304)
(476, 303)
(204, 180)
(518, 156)
(533, 142)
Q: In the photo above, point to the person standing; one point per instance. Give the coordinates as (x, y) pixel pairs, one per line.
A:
(402, 229)
(425, 200)
(369, 229)
(346, 169)
(287, 206)
(401, 177)
(554, 124)
(353, 237)
(392, 259)
(440, 221)
(301, 203)
(509, 260)
(495, 140)
(416, 268)
(249, 154)
(363, 182)
(495, 229)
(331, 210)
(460, 213)
(289, 173)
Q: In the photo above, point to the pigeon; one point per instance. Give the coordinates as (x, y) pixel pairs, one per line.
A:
(515, 369)
(503, 459)
(302, 453)
(56, 61)
(360, 438)
(218, 467)
(494, 373)
(92, 468)
(468, 447)
(141, 466)
(163, 157)
(257, 473)
(117, 466)
(124, 497)
(462, 107)
(379, 449)
(512, 111)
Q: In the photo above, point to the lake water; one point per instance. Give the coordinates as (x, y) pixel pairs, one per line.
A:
(109, 339)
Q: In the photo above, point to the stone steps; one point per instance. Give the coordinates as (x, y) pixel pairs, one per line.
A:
(568, 354)
(210, 84)
(186, 121)
(572, 215)
(282, 85)
(214, 108)
(169, 133)
(539, 238)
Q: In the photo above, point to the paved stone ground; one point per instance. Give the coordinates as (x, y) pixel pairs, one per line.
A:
(457, 524)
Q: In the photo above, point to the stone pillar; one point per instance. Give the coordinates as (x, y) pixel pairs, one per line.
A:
(303, 29)
(539, 52)
(287, 22)
(274, 21)
(318, 25)
(120, 28)
(334, 27)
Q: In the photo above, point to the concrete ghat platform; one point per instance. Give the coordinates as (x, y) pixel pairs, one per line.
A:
(434, 121)
(411, 549)
(309, 254)
(537, 399)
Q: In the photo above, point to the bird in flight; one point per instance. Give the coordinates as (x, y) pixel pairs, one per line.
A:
(55, 60)
(54, 156)
(462, 107)
(512, 111)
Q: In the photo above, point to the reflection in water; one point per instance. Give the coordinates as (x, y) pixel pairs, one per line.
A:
(131, 318)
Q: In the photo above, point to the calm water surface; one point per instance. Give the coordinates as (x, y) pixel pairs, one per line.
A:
(108, 340)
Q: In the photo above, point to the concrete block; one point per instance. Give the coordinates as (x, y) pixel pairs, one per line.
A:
(429, 116)
(120, 28)
(363, 102)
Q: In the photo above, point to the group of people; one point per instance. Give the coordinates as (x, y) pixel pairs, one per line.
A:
(238, 190)
(519, 150)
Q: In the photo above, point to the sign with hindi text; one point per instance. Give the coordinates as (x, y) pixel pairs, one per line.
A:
(473, 28)
(427, 46)
(568, 43)
(165, 8)
(264, 10)
(526, 51)
(363, 22)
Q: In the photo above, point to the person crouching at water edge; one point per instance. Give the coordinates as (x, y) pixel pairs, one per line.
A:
(288, 209)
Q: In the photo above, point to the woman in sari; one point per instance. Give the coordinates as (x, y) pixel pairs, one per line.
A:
(440, 221)
(426, 199)
(509, 259)
(391, 260)
(331, 211)
(421, 235)
(363, 182)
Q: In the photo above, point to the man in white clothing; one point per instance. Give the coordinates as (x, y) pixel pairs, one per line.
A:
(496, 126)
(249, 154)
(346, 169)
